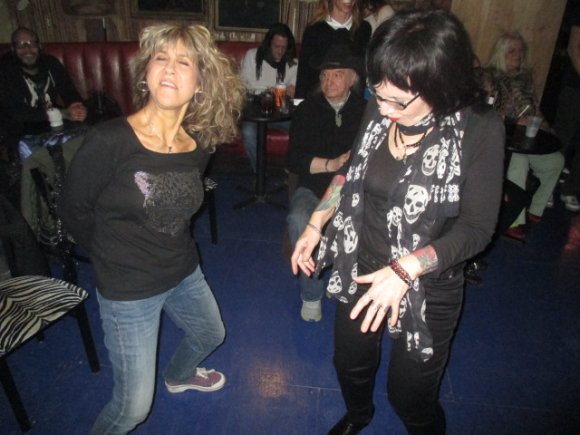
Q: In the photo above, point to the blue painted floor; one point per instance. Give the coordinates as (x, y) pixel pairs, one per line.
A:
(514, 369)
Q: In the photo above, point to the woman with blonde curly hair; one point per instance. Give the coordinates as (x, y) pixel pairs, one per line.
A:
(130, 194)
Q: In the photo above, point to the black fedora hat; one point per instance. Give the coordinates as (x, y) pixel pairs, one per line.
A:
(339, 56)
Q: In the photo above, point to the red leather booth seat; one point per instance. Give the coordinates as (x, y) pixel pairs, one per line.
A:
(104, 66)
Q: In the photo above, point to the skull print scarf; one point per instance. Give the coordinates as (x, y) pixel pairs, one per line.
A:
(427, 190)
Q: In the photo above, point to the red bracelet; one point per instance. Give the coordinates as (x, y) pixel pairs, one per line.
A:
(401, 273)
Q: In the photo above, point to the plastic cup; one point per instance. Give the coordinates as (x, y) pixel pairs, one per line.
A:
(533, 126)
(279, 94)
(54, 117)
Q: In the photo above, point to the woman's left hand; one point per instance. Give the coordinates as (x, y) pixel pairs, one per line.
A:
(384, 294)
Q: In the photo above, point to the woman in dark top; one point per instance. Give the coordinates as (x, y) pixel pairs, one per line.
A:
(128, 200)
(420, 196)
(335, 22)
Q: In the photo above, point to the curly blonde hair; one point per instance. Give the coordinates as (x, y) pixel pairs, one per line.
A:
(324, 8)
(214, 111)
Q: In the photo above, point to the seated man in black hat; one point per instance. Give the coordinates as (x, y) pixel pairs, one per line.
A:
(31, 83)
(321, 135)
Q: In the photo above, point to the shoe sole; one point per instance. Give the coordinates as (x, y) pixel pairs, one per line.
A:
(311, 319)
(182, 388)
(569, 207)
(311, 314)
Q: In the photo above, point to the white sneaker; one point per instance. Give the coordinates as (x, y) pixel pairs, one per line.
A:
(311, 311)
(570, 202)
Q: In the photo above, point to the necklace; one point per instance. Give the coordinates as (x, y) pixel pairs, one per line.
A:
(337, 110)
(399, 138)
(152, 132)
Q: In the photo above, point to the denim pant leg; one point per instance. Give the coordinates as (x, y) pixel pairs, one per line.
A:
(131, 334)
(193, 308)
(302, 204)
(250, 137)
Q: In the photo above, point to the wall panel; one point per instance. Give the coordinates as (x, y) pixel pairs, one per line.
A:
(537, 20)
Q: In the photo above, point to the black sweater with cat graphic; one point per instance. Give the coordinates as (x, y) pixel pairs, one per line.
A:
(130, 209)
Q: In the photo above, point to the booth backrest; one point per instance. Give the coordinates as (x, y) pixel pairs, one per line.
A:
(104, 66)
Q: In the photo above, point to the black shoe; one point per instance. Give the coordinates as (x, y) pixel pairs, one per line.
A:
(472, 279)
(479, 265)
(346, 427)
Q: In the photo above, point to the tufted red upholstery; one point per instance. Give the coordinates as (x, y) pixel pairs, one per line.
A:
(104, 66)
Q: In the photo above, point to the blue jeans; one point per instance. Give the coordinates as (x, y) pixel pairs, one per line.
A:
(131, 336)
(302, 204)
(250, 136)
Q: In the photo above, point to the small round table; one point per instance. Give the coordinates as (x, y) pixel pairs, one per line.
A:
(253, 113)
(543, 143)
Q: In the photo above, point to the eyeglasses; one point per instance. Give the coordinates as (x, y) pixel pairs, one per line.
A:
(396, 104)
(22, 44)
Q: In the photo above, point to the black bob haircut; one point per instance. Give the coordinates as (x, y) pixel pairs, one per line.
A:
(427, 53)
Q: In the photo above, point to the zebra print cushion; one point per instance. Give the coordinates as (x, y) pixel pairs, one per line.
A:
(29, 303)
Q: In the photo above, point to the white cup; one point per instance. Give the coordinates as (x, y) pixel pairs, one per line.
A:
(54, 117)
(533, 125)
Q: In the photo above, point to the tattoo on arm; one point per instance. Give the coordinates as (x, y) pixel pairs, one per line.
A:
(330, 198)
(427, 258)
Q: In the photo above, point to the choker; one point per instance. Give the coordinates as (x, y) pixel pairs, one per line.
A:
(421, 127)
(399, 140)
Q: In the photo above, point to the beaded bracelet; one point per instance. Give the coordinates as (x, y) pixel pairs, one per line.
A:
(315, 228)
(401, 273)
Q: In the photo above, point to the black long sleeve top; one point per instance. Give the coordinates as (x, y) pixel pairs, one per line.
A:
(130, 209)
(460, 238)
(317, 38)
(17, 106)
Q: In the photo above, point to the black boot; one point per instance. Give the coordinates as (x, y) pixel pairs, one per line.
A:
(471, 276)
(346, 427)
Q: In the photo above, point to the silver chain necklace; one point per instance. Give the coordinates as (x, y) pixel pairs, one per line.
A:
(337, 108)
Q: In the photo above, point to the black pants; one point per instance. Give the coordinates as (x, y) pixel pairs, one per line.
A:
(413, 386)
(567, 124)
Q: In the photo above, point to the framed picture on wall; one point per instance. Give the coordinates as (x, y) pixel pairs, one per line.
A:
(246, 15)
(176, 9)
(88, 7)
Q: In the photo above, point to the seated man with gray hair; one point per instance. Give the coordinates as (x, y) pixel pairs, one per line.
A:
(322, 132)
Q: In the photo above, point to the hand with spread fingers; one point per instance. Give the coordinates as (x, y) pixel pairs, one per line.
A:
(384, 295)
(302, 255)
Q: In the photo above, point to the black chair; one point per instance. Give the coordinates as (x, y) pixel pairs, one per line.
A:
(209, 186)
(31, 301)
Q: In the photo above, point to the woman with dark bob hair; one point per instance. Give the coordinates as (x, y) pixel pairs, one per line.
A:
(128, 200)
(419, 197)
